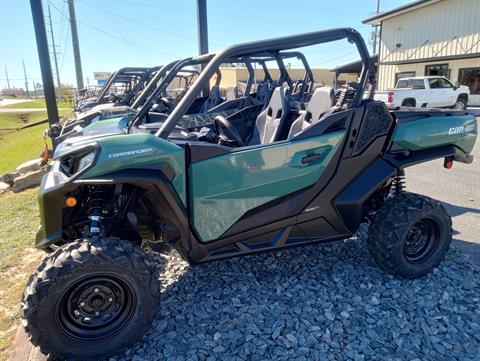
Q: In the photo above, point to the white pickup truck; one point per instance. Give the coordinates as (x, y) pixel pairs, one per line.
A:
(425, 91)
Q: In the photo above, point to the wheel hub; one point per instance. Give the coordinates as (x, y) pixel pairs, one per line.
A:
(421, 241)
(95, 307)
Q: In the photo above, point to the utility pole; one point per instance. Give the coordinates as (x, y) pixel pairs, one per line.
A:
(202, 34)
(202, 26)
(76, 46)
(6, 75)
(34, 89)
(375, 30)
(59, 92)
(26, 81)
(44, 58)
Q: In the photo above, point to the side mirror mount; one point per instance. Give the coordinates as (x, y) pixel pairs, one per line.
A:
(456, 86)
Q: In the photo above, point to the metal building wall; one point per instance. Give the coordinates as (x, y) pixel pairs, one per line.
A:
(445, 28)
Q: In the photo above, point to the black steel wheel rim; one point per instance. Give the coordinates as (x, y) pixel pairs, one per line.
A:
(95, 307)
(421, 242)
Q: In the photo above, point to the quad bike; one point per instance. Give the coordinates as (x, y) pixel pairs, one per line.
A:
(263, 180)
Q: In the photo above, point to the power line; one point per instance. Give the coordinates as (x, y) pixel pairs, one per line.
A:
(336, 58)
(113, 20)
(148, 26)
(64, 37)
(59, 92)
(113, 35)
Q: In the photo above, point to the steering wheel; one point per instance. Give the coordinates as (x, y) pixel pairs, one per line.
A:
(227, 129)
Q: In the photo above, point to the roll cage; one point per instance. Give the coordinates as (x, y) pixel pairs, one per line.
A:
(259, 48)
(167, 73)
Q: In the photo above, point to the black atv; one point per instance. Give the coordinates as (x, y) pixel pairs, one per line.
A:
(264, 179)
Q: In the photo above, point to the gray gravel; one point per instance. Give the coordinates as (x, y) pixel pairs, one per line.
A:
(319, 302)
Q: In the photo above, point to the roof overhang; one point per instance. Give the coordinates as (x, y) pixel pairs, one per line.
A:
(355, 67)
(378, 18)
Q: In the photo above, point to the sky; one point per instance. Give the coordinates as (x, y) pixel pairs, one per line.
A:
(119, 33)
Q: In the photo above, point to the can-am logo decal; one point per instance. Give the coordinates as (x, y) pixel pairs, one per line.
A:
(462, 129)
(130, 152)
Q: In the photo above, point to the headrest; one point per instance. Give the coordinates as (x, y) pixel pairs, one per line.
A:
(322, 100)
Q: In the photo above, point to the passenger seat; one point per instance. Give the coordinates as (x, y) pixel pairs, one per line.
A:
(321, 103)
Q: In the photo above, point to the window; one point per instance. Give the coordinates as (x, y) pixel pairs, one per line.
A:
(411, 83)
(439, 83)
(404, 74)
(437, 70)
(471, 78)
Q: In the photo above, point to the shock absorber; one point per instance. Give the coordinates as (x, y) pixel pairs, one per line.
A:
(399, 182)
(95, 211)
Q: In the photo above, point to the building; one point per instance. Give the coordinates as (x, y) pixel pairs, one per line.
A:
(430, 37)
(235, 76)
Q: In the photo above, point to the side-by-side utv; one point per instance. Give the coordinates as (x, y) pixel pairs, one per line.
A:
(120, 88)
(263, 179)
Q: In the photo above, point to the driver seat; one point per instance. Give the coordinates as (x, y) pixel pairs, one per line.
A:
(213, 99)
(272, 120)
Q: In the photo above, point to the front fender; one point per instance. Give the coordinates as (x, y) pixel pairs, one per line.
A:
(157, 184)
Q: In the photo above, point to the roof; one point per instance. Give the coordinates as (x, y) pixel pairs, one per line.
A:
(378, 18)
(355, 67)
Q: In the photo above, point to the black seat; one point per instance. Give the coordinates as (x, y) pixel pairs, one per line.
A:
(271, 121)
(321, 104)
(213, 99)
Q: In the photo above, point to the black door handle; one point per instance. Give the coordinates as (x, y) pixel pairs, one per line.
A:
(311, 158)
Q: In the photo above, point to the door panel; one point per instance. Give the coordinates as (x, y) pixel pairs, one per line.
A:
(224, 188)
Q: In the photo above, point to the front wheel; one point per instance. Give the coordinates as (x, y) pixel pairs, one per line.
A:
(410, 235)
(90, 299)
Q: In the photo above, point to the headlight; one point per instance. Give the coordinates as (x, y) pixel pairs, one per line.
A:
(77, 162)
(85, 161)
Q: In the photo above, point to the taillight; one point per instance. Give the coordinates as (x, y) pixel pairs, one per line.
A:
(390, 97)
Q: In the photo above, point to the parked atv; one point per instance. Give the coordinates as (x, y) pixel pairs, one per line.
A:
(264, 180)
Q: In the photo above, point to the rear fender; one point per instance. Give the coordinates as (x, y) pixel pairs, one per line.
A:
(350, 204)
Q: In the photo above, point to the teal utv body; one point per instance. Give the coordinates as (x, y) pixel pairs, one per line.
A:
(262, 178)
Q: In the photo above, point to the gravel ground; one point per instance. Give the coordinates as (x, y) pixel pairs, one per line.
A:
(319, 302)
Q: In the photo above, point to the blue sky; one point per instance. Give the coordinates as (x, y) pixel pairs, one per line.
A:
(121, 33)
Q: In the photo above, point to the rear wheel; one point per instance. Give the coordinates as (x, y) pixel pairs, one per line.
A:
(410, 235)
(90, 299)
(409, 103)
(460, 104)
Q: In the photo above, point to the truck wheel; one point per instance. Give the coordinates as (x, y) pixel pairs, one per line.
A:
(410, 235)
(409, 103)
(90, 299)
(461, 104)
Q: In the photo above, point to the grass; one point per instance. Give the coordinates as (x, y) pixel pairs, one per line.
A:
(19, 222)
(18, 146)
(38, 103)
(13, 120)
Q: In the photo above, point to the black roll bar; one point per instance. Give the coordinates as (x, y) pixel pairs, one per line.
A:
(118, 73)
(269, 45)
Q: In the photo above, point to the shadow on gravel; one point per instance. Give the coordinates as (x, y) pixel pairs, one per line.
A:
(319, 302)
